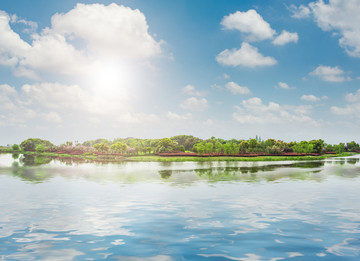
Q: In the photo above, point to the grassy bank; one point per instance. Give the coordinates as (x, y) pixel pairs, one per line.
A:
(155, 158)
(225, 158)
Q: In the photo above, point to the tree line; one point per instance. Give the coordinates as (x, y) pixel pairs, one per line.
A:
(187, 143)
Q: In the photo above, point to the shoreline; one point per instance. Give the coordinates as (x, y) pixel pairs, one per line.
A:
(157, 158)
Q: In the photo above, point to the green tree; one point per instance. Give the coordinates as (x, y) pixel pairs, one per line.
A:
(218, 147)
(209, 147)
(102, 147)
(352, 146)
(200, 148)
(244, 145)
(15, 147)
(182, 148)
(30, 144)
(317, 145)
(118, 147)
(228, 148)
(339, 148)
(253, 143)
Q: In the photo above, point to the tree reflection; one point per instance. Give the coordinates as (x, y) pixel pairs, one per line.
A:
(32, 160)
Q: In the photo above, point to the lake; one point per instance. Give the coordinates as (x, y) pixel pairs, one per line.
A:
(76, 210)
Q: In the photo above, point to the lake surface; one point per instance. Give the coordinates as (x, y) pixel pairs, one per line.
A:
(64, 210)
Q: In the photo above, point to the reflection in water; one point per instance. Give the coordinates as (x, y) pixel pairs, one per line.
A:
(165, 174)
(32, 160)
(143, 211)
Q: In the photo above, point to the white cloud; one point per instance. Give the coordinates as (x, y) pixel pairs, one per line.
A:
(330, 74)
(350, 97)
(234, 88)
(135, 117)
(286, 37)
(6, 89)
(6, 97)
(11, 45)
(310, 98)
(341, 17)
(254, 111)
(174, 116)
(247, 56)
(77, 39)
(52, 53)
(50, 101)
(31, 26)
(52, 117)
(226, 76)
(112, 30)
(190, 90)
(194, 104)
(300, 12)
(208, 122)
(250, 23)
(285, 86)
(351, 109)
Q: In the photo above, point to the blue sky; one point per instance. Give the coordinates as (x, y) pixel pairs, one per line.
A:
(232, 69)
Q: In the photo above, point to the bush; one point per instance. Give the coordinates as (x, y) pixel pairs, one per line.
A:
(31, 144)
(16, 147)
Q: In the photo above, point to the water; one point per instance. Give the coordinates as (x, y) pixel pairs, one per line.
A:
(64, 210)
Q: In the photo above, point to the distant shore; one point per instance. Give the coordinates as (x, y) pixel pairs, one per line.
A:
(174, 158)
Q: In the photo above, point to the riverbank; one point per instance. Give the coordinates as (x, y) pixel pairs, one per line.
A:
(157, 158)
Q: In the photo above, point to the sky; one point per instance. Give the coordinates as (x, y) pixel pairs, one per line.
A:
(76, 71)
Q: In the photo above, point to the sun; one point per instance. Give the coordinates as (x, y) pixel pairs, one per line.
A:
(110, 78)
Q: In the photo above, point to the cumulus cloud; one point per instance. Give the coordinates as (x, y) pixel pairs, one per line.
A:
(208, 122)
(286, 37)
(343, 17)
(313, 98)
(300, 12)
(174, 116)
(190, 90)
(352, 108)
(250, 23)
(254, 111)
(194, 104)
(6, 97)
(285, 86)
(52, 117)
(112, 30)
(50, 101)
(77, 39)
(338, 16)
(353, 97)
(234, 88)
(247, 56)
(330, 74)
(30, 26)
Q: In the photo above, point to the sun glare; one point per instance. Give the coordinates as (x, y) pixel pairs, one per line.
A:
(110, 78)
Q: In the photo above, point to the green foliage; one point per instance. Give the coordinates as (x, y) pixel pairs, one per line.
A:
(167, 145)
(352, 146)
(303, 147)
(119, 147)
(339, 148)
(182, 148)
(40, 148)
(200, 148)
(102, 147)
(244, 145)
(31, 144)
(209, 147)
(317, 145)
(253, 143)
(218, 147)
(15, 147)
